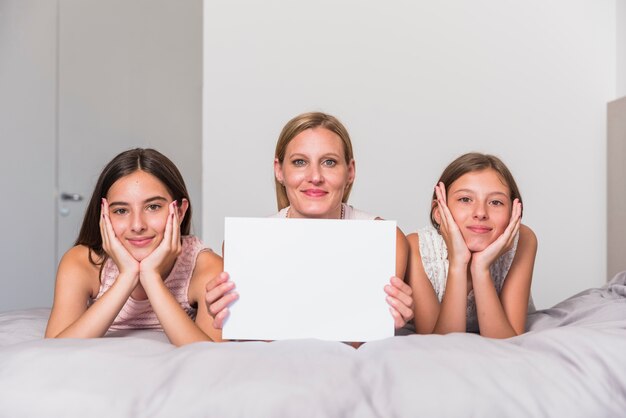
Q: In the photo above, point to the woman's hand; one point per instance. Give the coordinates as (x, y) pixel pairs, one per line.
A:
(400, 300)
(458, 253)
(161, 260)
(125, 262)
(482, 260)
(219, 296)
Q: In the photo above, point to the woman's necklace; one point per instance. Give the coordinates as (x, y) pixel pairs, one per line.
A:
(343, 213)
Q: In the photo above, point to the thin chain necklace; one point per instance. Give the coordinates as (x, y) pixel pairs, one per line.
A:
(343, 214)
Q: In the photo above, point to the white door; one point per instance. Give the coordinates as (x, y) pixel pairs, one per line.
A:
(27, 155)
(80, 81)
(130, 75)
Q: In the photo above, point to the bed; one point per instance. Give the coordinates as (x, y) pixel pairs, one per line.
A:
(571, 363)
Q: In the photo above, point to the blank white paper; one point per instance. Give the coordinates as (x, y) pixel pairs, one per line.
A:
(309, 278)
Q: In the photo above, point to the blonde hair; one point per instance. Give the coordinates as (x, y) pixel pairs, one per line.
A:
(300, 124)
(471, 162)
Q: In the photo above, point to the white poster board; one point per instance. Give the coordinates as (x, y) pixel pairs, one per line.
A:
(309, 278)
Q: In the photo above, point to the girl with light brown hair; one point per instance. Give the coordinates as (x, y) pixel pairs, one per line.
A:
(472, 270)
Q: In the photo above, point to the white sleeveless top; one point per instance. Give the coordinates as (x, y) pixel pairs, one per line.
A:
(348, 213)
(435, 260)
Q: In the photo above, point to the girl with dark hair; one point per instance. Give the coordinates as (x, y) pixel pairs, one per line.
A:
(472, 270)
(134, 264)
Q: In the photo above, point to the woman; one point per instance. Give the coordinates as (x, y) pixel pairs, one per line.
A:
(314, 171)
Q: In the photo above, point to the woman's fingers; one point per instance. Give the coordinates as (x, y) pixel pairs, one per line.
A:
(217, 280)
(405, 311)
(398, 320)
(400, 290)
(222, 303)
(400, 301)
(218, 321)
(219, 294)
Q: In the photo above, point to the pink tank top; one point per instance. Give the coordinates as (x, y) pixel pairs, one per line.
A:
(139, 313)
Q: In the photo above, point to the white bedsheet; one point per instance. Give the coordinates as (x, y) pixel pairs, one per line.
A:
(572, 363)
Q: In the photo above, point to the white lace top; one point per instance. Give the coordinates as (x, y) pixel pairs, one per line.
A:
(435, 260)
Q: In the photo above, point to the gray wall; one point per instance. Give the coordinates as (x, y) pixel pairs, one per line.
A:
(417, 84)
(130, 75)
(616, 199)
(616, 210)
(27, 162)
(621, 47)
(90, 78)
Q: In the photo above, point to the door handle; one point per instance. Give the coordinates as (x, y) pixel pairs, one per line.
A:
(74, 197)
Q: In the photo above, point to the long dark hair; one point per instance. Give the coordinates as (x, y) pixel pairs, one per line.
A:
(145, 159)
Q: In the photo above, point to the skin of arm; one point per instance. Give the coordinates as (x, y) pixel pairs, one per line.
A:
(218, 295)
(402, 253)
(505, 316)
(398, 291)
(208, 266)
(177, 325)
(452, 312)
(493, 320)
(425, 302)
(77, 282)
(179, 328)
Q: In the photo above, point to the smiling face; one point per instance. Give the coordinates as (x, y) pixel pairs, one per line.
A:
(315, 174)
(138, 208)
(480, 204)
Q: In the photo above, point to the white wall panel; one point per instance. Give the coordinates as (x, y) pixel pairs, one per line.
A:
(417, 84)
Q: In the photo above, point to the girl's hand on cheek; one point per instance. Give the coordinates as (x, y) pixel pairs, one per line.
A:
(458, 253)
(161, 260)
(124, 261)
(481, 261)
